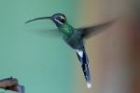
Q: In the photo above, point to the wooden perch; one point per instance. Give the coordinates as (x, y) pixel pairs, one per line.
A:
(11, 84)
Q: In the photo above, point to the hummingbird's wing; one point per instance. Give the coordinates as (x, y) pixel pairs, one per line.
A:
(51, 33)
(83, 58)
(93, 30)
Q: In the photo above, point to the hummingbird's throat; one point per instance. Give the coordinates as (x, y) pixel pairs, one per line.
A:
(66, 30)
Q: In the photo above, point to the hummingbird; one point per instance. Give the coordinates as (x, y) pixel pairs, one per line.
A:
(74, 37)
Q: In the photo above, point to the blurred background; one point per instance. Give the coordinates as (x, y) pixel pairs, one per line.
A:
(43, 63)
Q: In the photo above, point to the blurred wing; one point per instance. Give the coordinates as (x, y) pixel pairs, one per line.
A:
(93, 30)
(53, 33)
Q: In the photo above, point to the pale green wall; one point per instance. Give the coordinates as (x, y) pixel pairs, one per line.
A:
(42, 63)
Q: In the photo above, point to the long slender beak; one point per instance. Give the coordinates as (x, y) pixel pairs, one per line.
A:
(40, 18)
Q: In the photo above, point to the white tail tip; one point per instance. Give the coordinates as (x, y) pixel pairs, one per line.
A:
(89, 85)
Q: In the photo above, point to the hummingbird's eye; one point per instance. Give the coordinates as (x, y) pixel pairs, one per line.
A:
(60, 19)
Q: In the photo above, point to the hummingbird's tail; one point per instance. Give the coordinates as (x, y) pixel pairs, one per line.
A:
(83, 58)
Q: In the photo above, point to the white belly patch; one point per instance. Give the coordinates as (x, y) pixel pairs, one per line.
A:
(80, 53)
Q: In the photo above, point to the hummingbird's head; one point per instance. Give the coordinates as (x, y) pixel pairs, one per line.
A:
(59, 19)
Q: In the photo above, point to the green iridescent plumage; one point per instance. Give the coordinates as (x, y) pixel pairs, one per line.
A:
(66, 30)
(75, 37)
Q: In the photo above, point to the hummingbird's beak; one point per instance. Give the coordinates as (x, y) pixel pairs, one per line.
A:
(40, 18)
